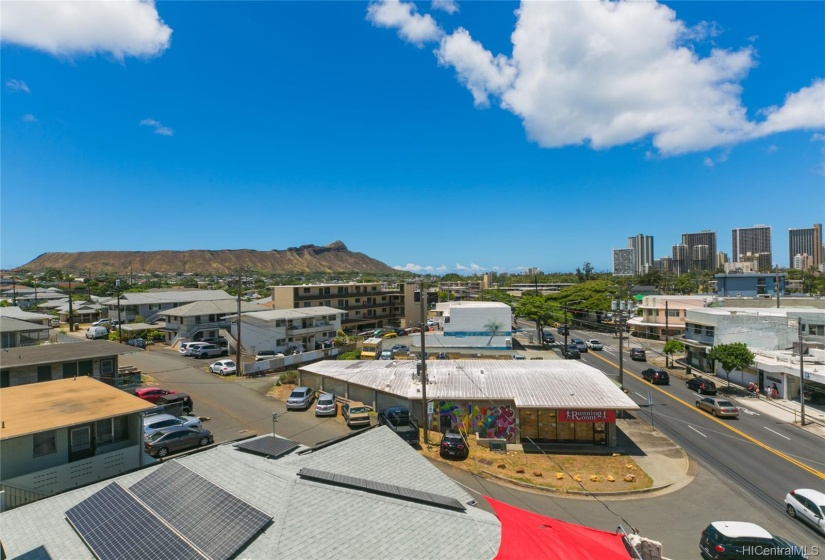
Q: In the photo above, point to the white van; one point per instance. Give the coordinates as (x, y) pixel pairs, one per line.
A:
(97, 332)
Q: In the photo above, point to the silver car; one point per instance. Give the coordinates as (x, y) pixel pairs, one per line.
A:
(718, 407)
(300, 398)
(326, 405)
(152, 424)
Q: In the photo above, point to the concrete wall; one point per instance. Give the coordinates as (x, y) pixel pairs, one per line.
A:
(469, 326)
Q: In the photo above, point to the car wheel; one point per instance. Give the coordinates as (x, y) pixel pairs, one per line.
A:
(163, 452)
(204, 441)
(791, 511)
(713, 413)
(697, 404)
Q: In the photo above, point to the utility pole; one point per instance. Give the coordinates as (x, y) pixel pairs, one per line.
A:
(424, 364)
(238, 338)
(776, 283)
(618, 306)
(71, 314)
(801, 375)
(667, 333)
(566, 328)
(119, 330)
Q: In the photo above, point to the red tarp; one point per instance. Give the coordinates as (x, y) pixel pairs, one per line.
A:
(529, 536)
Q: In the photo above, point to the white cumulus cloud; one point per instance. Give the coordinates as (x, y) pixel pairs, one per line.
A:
(448, 6)
(118, 27)
(17, 85)
(606, 74)
(416, 268)
(159, 128)
(29, 118)
(403, 16)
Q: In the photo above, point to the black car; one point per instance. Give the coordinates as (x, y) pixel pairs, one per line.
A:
(442, 356)
(549, 338)
(701, 385)
(580, 344)
(656, 376)
(136, 342)
(638, 355)
(728, 540)
(454, 444)
(572, 352)
(564, 330)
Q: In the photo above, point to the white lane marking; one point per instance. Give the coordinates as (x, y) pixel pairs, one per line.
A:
(777, 433)
(640, 395)
(697, 431)
(748, 411)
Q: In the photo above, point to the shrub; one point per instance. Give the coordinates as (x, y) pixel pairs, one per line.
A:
(351, 355)
(288, 377)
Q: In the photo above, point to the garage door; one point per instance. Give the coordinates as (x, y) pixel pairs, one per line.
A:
(383, 400)
(363, 394)
(311, 380)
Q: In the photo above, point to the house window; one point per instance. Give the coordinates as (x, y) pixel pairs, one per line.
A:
(672, 312)
(280, 323)
(709, 331)
(45, 443)
(44, 373)
(326, 291)
(81, 439)
(816, 330)
(306, 290)
(69, 370)
(107, 367)
(357, 300)
(154, 307)
(307, 304)
(697, 329)
(280, 342)
(85, 368)
(198, 320)
(112, 430)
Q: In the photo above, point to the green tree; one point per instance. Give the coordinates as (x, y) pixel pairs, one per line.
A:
(735, 355)
(444, 296)
(537, 309)
(672, 346)
(497, 295)
(452, 277)
(685, 285)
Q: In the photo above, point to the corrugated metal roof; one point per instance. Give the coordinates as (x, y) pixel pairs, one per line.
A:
(539, 384)
(171, 296)
(275, 314)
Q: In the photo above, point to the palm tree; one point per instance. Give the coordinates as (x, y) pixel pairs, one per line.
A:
(494, 328)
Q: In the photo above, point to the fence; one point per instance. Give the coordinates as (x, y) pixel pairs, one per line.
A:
(256, 368)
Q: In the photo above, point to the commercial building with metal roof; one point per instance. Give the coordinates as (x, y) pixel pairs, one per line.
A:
(558, 401)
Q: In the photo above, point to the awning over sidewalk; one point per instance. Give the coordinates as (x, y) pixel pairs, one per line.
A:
(527, 536)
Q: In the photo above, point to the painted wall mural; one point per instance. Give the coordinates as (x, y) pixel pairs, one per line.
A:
(489, 421)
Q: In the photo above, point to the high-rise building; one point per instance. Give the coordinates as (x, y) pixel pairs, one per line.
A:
(642, 246)
(721, 259)
(680, 259)
(806, 241)
(755, 240)
(701, 250)
(623, 262)
(803, 261)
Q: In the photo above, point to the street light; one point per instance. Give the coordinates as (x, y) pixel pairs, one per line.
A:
(119, 332)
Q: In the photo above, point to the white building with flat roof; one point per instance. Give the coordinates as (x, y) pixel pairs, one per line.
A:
(475, 324)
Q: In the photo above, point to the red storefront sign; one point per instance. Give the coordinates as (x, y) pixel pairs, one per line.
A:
(587, 415)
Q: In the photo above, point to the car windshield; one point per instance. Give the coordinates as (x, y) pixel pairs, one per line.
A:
(297, 394)
(724, 403)
(229, 364)
(358, 410)
(155, 436)
(594, 341)
(326, 399)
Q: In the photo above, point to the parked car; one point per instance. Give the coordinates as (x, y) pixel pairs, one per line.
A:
(549, 338)
(656, 376)
(224, 367)
(729, 540)
(176, 438)
(153, 394)
(807, 505)
(268, 355)
(718, 407)
(102, 323)
(638, 354)
(400, 349)
(580, 344)
(390, 334)
(186, 348)
(300, 398)
(594, 344)
(54, 322)
(326, 405)
(208, 351)
(442, 356)
(571, 352)
(136, 342)
(219, 340)
(454, 444)
(355, 414)
(701, 385)
(177, 401)
(155, 422)
(385, 355)
(97, 332)
(400, 420)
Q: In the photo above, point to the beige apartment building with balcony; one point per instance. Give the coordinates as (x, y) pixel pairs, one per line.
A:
(660, 316)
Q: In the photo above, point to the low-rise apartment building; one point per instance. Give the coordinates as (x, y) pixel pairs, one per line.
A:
(149, 304)
(63, 434)
(283, 329)
(661, 316)
(201, 319)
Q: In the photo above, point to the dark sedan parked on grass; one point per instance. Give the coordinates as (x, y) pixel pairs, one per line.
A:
(701, 386)
(174, 439)
(454, 444)
(656, 376)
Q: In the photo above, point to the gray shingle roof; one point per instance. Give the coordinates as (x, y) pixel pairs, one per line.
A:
(65, 352)
(18, 313)
(10, 324)
(541, 384)
(310, 519)
(216, 307)
(170, 296)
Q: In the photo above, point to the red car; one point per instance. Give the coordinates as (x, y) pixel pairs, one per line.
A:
(153, 394)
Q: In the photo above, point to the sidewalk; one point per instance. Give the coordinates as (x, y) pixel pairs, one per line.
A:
(787, 411)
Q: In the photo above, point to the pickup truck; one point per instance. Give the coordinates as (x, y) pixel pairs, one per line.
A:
(399, 420)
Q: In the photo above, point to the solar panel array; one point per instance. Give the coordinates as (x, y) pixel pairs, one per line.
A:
(384, 489)
(215, 521)
(268, 446)
(115, 526)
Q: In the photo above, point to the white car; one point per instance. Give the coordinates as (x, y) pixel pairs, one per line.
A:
(223, 367)
(155, 422)
(186, 348)
(594, 344)
(807, 505)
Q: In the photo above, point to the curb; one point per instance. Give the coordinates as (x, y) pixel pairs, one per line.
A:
(576, 493)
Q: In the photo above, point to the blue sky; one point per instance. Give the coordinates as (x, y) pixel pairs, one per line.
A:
(436, 136)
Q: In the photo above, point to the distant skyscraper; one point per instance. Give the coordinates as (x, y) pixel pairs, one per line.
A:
(701, 249)
(806, 241)
(623, 262)
(680, 259)
(642, 246)
(803, 262)
(755, 240)
(721, 259)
